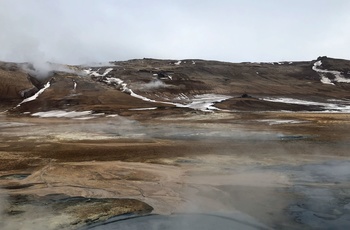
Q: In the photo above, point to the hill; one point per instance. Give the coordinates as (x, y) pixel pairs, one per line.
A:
(172, 86)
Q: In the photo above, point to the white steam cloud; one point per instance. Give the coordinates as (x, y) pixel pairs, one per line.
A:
(44, 70)
(155, 85)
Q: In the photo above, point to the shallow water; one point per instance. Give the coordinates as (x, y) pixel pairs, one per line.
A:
(189, 221)
(325, 194)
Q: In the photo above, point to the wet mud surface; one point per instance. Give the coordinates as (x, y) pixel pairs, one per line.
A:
(262, 170)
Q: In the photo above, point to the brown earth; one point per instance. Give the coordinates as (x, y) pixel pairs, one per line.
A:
(295, 79)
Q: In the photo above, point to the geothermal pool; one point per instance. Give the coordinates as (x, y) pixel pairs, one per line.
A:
(275, 171)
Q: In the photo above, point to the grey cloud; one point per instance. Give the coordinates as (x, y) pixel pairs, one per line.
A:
(77, 32)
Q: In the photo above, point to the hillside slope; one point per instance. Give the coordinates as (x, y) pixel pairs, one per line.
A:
(143, 84)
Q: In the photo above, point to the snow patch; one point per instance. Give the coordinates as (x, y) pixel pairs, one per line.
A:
(181, 96)
(326, 80)
(322, 73)
(113, 80)
(35, 96)
(177, 63)
(84, 118)
(293, 101)
(118, 83)
(139, 96)
(338, 77)
(112, 115)
(279, 122)
(205, 102)
(96, 74)
(328, 107)
(62, 113)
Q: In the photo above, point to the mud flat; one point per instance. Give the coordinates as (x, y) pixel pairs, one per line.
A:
(267, 170)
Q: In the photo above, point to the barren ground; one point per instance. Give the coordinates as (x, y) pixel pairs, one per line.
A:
(150, 149)
(178, 164)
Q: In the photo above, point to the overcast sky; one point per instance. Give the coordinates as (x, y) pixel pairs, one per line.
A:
(83, 31)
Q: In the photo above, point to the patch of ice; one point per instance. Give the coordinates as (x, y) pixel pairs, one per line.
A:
(62, 113)
(35, 96)
(278, 121)
(328, 107)
(141, 109)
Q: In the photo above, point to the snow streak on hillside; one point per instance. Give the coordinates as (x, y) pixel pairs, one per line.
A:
(341, 106)
(338, 77)
(203, 102)
(35, 96)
